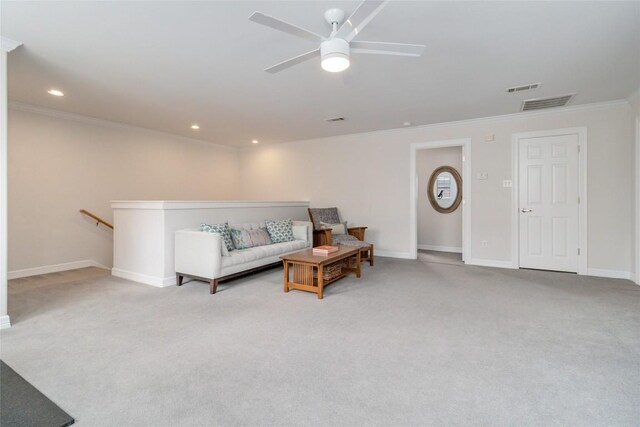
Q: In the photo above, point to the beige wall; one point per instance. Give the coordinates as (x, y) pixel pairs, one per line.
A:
(367, 177)
(57, 166)
(435, 228)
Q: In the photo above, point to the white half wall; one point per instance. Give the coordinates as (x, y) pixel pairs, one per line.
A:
(60, 163)
(143, 244)
(366, 176)
(437, 231)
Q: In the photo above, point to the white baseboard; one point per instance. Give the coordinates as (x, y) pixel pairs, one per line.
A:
(490, 263)
(5, 322)
(611, 274)
(440, 248)
(159, 282)
(392, 254)
(55, 268)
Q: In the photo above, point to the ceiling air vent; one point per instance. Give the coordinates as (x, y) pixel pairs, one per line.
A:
(540, 103)
(335, 119)
(523, 88)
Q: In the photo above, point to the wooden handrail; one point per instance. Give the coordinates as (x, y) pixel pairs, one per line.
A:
(96, 217)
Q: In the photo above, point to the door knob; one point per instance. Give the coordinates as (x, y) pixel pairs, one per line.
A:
(526, 210)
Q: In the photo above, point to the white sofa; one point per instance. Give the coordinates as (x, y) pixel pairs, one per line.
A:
(198, 254)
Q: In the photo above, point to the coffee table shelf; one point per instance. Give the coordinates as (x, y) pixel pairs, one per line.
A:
(304, 266)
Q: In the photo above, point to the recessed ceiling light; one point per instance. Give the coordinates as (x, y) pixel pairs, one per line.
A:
(255, 141)
(195, 127)
(406, 124)
(55, 92)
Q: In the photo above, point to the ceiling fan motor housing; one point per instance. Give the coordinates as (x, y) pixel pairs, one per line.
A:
(334, 47)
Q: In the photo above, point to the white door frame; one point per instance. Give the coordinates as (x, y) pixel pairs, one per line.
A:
(637, 269)
(6, 46)
(581, 132)
(465, 143)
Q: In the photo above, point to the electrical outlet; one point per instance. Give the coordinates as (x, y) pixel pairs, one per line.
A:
(489, 138)
(507, 183)
(485, 243)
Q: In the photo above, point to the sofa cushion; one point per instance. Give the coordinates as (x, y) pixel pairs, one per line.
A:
(244, 239)
(243, 256)
(223, 230)
(280, 231)
(342, 239)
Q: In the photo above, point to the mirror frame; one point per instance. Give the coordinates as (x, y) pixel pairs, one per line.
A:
(432, 181)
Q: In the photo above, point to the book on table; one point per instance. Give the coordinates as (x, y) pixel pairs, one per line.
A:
(324, 250)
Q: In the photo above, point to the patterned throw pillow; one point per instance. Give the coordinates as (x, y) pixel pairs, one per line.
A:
(280, 231)
(222, 229)
(244, 239)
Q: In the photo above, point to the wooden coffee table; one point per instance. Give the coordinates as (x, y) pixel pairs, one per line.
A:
(312, 273)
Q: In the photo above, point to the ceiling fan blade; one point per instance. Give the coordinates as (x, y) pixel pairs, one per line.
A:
(382, 48)
(286, 27)
(293, 61)
(366, 11)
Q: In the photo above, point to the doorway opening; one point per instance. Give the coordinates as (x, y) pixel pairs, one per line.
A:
(440, 190)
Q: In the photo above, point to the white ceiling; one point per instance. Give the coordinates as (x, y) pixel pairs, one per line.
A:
(166, 65)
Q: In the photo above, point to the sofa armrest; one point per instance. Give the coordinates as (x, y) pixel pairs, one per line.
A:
(198, 253)
(357, 232)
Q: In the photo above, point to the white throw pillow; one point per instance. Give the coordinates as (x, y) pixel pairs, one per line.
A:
(340, 228)
(300, 232)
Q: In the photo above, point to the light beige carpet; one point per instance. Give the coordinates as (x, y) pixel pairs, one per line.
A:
(409, 344)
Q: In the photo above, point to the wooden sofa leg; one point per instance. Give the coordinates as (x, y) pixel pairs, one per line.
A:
(371, 256)
(213, 286)
(179, 278)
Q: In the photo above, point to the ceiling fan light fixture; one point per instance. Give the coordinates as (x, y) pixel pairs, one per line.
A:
(335, 62)
(335, 55)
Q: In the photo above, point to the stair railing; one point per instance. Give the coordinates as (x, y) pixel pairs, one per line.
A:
(96, 218)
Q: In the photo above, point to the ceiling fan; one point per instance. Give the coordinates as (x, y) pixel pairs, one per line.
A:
(335, 50)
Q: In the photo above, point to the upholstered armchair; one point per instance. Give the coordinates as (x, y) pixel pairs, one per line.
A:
(328, 229)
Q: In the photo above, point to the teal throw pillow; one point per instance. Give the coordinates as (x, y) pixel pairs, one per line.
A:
(280, 231)
(223, 230)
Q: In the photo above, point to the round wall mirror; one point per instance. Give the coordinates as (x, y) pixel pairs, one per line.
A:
(445, 189)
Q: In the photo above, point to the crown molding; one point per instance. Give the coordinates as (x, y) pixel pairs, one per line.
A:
(29, 108)
(520, 115)
(8, 45)
(20, 106)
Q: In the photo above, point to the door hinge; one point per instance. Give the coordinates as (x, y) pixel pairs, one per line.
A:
(578, 200)
(578, 148)
(578, 251)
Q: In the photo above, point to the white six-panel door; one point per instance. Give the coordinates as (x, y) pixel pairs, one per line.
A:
(548, 202)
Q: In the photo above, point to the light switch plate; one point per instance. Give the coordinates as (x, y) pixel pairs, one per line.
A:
(490, 138)
(507, 183)
(482, 175)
